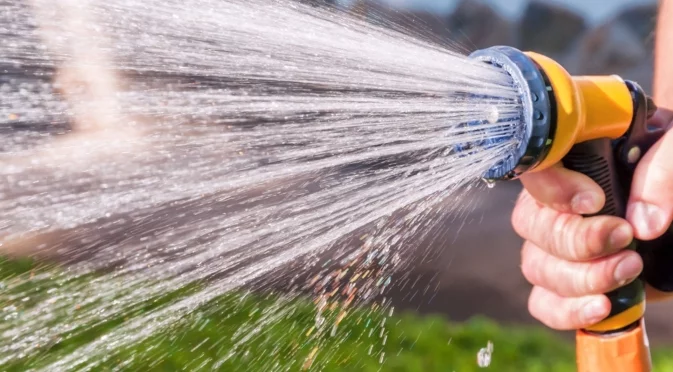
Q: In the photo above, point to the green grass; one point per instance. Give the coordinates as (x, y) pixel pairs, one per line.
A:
(281, 335)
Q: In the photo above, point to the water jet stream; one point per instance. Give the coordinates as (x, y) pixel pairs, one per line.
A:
(160, 144)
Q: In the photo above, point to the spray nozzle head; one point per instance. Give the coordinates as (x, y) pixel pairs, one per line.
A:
(536, 120)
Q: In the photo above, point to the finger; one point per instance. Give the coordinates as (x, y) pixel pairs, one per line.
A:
(576, 279)
(650, 208)
(564, 190)
(567, 313)
(569, 236)
(662, 118)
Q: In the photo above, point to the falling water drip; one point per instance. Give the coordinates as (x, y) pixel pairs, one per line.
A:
(489, 183)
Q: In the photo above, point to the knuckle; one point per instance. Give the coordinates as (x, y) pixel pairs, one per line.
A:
(534, 307)
(588, 280)
(559, 199)
(574, 317)
(516, 219)
(660, 177)
(661, 168)
(553, 195)
(591, 240)
(562, 241)
(521, 216)
(539, 311)
(528, 264)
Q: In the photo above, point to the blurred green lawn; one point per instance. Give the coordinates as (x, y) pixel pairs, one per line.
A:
(248, 332)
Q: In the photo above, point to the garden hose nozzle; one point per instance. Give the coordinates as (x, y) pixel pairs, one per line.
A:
(596, 125)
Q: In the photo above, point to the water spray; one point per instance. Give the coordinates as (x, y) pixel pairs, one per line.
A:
(219, 104)
(598, 126)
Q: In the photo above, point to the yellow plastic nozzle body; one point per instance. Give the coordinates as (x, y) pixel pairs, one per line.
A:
(587, 107)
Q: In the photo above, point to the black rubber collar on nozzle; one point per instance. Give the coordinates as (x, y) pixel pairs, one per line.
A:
(538, 116)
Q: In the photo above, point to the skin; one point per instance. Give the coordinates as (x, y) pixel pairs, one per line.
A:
(571, 260)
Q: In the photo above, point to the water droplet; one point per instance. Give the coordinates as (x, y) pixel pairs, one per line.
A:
(489, 183)
(484, 355)
(492, 114)
(319, 321)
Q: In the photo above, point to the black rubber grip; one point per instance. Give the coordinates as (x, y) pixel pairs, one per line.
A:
(596, 159)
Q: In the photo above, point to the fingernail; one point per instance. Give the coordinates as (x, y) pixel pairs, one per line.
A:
(621, 236)
(648, 219)
(628, 269)
(594, 311)
(585, 203)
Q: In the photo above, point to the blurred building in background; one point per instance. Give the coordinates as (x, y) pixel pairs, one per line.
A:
(586, 36)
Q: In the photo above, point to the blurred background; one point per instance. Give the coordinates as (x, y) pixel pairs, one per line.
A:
(465, 281)
(477, 270)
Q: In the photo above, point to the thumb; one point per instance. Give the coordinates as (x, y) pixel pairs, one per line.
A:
(650, 209)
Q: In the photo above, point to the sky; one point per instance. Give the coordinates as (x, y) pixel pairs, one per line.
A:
(596, 11)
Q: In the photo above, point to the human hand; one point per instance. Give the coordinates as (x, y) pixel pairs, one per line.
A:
(573, 260)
